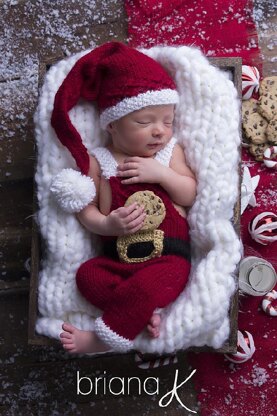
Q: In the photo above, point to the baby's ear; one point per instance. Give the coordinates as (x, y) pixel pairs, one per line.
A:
(110, 127)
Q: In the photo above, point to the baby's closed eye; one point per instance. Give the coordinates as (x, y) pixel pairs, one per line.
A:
(144, 122)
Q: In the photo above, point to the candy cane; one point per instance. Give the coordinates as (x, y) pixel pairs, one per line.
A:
(155, 363)
(268, 153)
(267, 303)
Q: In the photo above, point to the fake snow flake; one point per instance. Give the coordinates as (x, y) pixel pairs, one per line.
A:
(259, 376)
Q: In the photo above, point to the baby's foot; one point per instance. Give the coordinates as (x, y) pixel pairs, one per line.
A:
(77, 341)
(154, 325)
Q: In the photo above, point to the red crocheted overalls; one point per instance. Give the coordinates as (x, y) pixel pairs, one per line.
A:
(128, 293)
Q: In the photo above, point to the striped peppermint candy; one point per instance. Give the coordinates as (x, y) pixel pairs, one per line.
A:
(270, 157)
(155, 362)
(267, 303)
(263, 228)
(246, 348)
(250, 81)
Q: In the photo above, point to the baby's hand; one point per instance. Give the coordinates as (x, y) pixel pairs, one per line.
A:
(140, 169)
(125, 220)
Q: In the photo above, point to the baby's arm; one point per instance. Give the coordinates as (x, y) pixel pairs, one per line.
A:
(177, 179)
(122, 221)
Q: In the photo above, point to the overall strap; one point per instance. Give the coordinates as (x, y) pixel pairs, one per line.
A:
(164, 155)
(108, 163)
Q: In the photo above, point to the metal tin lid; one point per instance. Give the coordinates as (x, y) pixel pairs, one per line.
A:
(256, 276)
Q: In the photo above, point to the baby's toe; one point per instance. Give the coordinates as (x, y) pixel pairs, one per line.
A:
(156, 333)
(69, 347)
(155, 320)
(65, 335)
(68, 327)
(65, 341)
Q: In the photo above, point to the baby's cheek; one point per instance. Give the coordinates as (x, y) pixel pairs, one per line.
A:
(140, 137)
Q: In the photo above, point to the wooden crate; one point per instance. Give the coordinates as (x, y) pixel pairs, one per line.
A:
(233, 66)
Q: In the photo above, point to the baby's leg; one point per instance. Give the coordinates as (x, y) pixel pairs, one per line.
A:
(77, 341)
(97, 280)
(153, 286)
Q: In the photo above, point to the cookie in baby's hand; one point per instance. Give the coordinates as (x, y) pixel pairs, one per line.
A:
(153, 207)
(268, 98)
(254, 125)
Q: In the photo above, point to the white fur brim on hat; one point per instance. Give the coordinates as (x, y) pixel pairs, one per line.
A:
(128, 105)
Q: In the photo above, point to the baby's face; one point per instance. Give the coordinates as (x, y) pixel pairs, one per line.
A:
(143, 132)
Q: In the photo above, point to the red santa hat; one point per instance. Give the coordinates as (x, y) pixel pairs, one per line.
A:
(120, 80)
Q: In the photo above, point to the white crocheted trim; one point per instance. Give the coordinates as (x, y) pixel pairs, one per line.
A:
(111, 338)
(128, 105)
(164, 155)
(206, 125)
(108, 164)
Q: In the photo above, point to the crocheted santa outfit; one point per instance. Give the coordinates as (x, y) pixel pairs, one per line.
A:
(129, 293)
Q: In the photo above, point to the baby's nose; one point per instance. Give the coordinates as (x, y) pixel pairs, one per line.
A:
(158, 129)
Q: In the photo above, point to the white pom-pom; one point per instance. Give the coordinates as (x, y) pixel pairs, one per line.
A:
(72, 190)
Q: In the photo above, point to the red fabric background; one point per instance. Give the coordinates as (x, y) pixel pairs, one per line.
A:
(218, 27)
(223, 28)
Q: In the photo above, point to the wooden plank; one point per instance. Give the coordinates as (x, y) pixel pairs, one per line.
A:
(56, 28)
(16, 213)
(17, 144)
(266, 28)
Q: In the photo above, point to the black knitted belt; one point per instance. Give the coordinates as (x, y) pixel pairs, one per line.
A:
(143, 249)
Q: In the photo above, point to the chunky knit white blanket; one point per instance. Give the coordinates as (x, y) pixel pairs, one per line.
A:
(207, 125)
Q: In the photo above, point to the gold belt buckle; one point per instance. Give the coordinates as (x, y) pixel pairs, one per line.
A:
(123, 243)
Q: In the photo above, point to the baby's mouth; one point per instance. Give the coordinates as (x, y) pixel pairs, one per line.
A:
(153, 145)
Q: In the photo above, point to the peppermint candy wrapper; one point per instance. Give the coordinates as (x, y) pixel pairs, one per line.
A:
(270, 157)
(267, 306)
(246, 348)
(155, 362)
(250, 82)
(263, 228)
